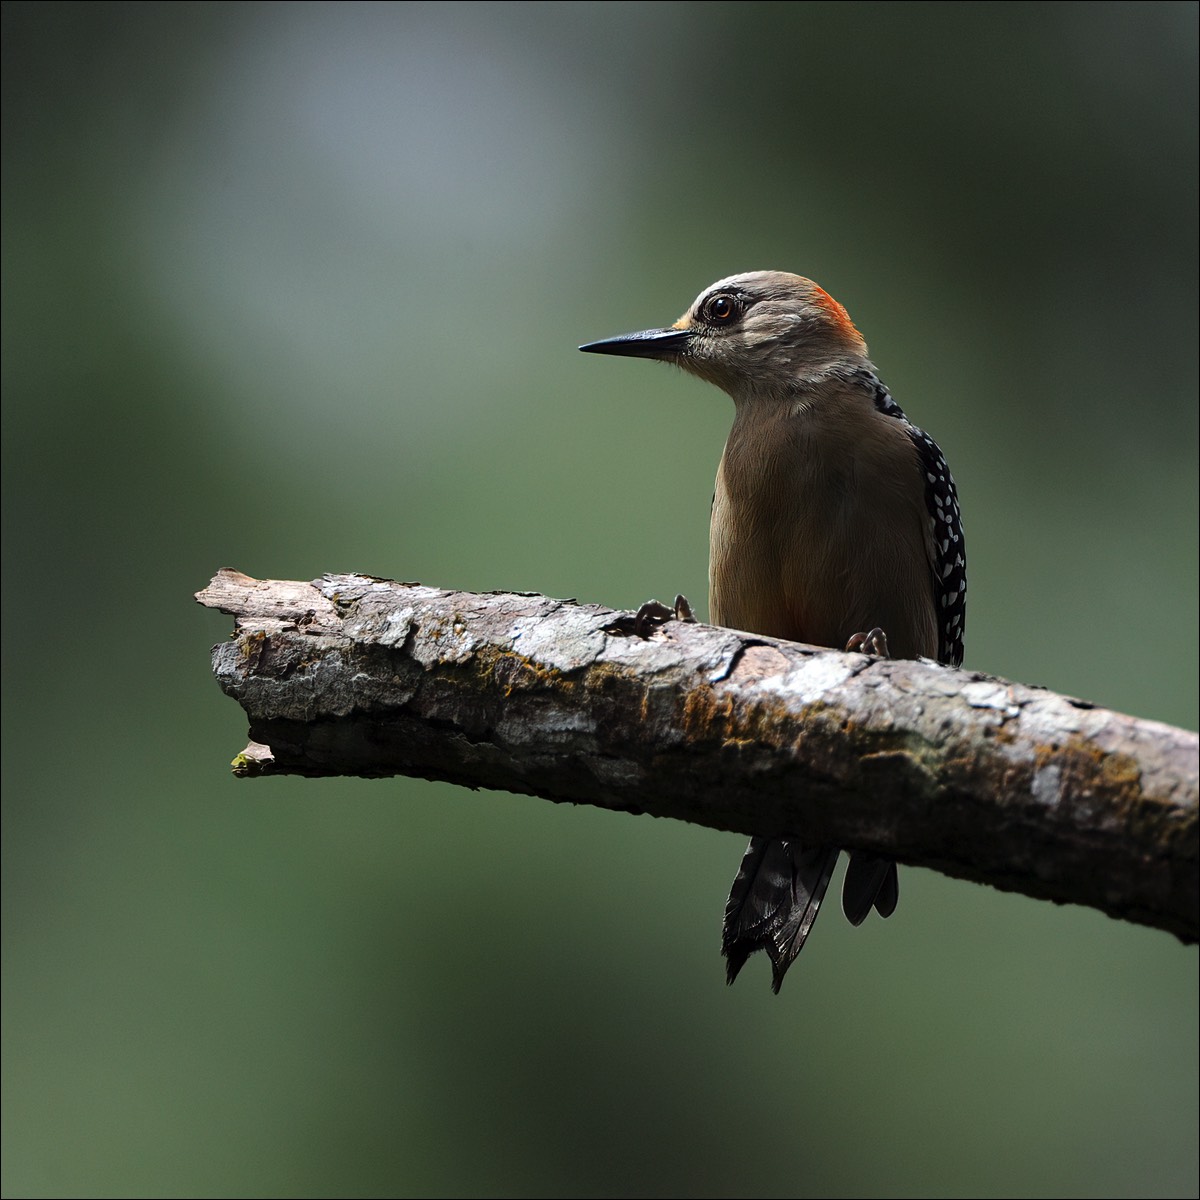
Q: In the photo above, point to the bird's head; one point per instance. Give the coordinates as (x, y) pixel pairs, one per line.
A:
(762, 333)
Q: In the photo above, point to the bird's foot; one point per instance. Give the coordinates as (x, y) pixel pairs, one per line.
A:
(654, 614)
(874, 642)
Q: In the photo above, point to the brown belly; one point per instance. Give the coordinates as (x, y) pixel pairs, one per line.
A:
(822, 582)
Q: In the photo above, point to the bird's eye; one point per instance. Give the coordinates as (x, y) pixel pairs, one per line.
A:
(722, 309)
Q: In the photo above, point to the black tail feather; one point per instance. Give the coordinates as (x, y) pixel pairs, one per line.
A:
(889, 893)
(773, 903)
(870, 880)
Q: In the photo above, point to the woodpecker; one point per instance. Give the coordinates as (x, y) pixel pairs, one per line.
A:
(835, 522)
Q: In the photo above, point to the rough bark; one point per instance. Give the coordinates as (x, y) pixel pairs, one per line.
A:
(965, 773)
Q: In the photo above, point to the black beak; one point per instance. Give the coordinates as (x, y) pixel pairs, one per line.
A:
(650, 343)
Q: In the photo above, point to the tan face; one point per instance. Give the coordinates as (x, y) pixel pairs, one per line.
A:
(764, 331)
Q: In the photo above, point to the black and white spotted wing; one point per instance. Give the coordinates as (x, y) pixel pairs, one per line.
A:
(949, 575)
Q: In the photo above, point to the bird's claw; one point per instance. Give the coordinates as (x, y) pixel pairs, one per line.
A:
(874, 642)
(654, 614)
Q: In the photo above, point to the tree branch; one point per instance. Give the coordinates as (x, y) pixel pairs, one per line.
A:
(964, 773)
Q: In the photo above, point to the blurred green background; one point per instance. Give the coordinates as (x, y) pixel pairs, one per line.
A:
(297, 288)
